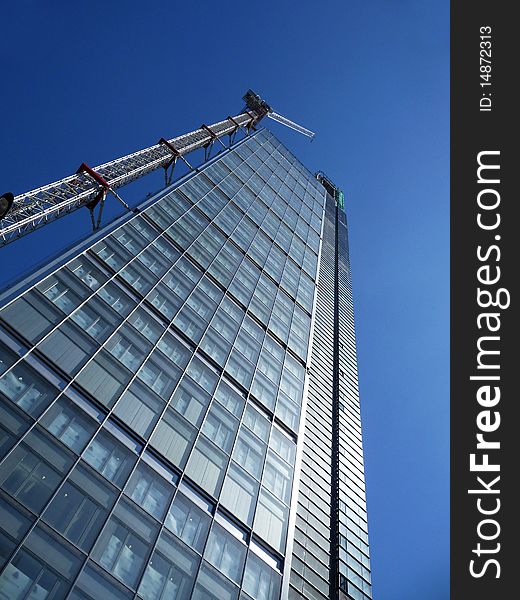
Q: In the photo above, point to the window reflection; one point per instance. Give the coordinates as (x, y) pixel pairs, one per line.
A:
(189, 522)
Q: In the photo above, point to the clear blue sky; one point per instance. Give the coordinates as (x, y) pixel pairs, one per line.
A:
(95, 80)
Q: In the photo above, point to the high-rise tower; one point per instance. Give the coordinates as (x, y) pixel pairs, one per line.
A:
(179, 405)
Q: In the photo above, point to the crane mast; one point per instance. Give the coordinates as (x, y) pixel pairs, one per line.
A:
(88, 187)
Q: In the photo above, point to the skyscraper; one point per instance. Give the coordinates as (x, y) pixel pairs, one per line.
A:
(179, 401)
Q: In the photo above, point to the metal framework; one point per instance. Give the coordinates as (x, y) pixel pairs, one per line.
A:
(89, 187)
(288, 123)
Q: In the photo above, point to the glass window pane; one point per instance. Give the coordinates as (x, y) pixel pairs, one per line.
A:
(189, 522)
(68, 347)
(84, 270)
(81, 506)
(110, 458)
(220, 427)
(12, 426)
(105, 378)
(249, 453)
(160, 374)
(207, 466)
(173, 438)
(278, 477)
(27, 575)
(32, 315)
(239, 493)
(33, 471)
(260, 581)
(210, 585)
(92, 584)
(190, 401)
(66, 421)
(27, 388)
(170, 571)
(139, 408)
(96, 319)
(257, 422)
(149, 491)
(175, 349)
(230, 399)
(271, 520)
(124, 545)
(225, 552)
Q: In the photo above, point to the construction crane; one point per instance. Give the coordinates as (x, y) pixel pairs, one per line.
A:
(89, 187)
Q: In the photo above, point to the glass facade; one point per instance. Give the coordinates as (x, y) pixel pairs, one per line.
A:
(163, 415)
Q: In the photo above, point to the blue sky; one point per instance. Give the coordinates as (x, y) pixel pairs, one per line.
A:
(97, 80)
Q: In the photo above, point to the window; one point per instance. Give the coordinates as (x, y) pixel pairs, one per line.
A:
(149, 491)
(201, 304)
(225, 552)
(153, 261)
(271, 520)
(12, 427)
(257, 422)
(128, 237)
(43, 568)
(81, 506)
(68, 347)
(260, 581)
(164, 301)
(215, 346)
(220, 427)
(249, 452)
(283, 446)
(230, 399)
(105, 378)
(190, 401)
(26, 388)
(114, 296)
(170, 571)
(173, 438)
(146, 324)
(270, 367)
(240, 369)
(32, 315)
(239, 493)
(124, 545)
(264, 389)
(292, 380)
(166, 249)
(87, 272)
(139, 408)
(288, 411)
(160, 374)
(14, 524)
(278, 478)
(69, 424)
(110, 458)
(207, 466)
(112, 253)
(178, 284)
(203, 375)
(96, 319)
(138, 277)
(33, 471)
(175, 350)
(128, 347)
(92, 584)
(63, 290)
(190, 323)
(210, 585)
(189, 522)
